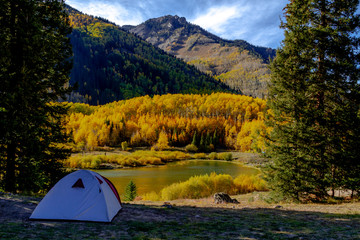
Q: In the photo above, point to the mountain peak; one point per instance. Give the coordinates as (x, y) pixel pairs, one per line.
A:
(168, 22)
(169, 19)
(208, 52)
(170, 32)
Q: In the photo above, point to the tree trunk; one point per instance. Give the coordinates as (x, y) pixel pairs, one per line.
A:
(15, 67)
(10, 168)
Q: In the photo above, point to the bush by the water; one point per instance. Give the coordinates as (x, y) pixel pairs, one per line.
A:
(124, 146)
(200, 156)
(225, 156)
(249, 183)
(206, 185)
(213, 156)
(138, 158)
(191, 148)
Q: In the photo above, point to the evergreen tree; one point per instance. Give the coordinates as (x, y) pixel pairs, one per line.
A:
(215, 138)
(202, 145)
(194, 141)
(208, 139)
(314, 96)
(111, 64)
(35, 64)
(130, 191)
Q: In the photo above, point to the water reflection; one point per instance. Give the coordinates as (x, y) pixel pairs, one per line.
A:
(155, 178)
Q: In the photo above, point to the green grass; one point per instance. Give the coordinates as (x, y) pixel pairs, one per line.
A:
(195, 223)
(135, 159)
(96, 160)
(258, 220)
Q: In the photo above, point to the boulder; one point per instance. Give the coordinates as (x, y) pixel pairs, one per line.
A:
(167, 205)
(223, 198)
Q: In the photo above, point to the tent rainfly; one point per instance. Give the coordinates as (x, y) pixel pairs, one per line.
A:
(81, 196)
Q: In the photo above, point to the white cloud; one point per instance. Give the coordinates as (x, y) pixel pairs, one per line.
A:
(112, 11)
(217, 17)
(256, 21)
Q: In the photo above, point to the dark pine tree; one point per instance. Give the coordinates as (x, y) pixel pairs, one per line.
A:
(35, 64)
(130, 191)
(194, 140)
(314, 97)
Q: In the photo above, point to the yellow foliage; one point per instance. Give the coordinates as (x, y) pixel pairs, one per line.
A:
(251, 136)
(199, 156)
(206, 185)
(144, 121)
(151, 196)
(162, 142)
(246, 184)
(138, 158)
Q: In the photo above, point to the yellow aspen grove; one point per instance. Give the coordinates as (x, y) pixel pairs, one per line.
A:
(220, 117)
(163, 142)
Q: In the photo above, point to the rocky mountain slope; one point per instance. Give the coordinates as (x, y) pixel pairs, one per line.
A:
(239, 64)
(111, 64)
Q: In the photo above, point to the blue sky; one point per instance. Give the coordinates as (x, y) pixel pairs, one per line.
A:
(256, 21)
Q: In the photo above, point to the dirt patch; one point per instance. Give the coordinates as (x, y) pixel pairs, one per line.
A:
(16, 208)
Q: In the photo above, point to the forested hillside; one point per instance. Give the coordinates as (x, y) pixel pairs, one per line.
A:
(111, 64)
(238, 64)
(208, 121)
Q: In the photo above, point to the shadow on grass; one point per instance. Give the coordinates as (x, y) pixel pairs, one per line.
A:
(154, 222)
(225, 223)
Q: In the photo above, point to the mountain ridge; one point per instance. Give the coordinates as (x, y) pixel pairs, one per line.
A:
(111, 64)
(237, 63)
(175, 22)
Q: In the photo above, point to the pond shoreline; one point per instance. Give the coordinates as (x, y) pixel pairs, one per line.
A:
(155, 178)
(117, 159)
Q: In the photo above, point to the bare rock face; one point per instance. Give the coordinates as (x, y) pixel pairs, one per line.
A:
(169, 33)
(223, 198)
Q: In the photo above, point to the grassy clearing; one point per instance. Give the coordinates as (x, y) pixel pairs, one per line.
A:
(138, 158)
(135, 159)
(247, 220)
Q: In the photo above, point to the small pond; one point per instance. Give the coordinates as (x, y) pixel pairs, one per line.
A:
(155, 178)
